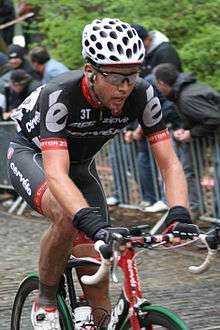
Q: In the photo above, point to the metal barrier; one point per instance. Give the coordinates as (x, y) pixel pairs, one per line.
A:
(7, 130)
(117, 167)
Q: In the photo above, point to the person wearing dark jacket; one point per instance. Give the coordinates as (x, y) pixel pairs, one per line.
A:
(158, 50)
(17, 60)
(21, 85)
(198, 104)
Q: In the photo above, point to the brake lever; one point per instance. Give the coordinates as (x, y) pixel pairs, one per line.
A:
(115, 264)
(115, 247)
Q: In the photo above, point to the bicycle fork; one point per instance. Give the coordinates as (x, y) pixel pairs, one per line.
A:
(131, 299)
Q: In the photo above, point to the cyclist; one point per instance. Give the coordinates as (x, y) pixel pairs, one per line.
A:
(61, 126)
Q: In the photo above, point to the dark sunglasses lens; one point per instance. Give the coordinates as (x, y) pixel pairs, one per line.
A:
(117, 79)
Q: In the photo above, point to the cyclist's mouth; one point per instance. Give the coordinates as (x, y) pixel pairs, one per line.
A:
(118, 101)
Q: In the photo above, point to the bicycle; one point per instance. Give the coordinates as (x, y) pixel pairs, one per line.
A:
(132, 311)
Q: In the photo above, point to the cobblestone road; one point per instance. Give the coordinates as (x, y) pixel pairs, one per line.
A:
(164, 275)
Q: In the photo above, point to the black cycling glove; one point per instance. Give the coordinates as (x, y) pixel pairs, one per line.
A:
(177, 214)
(89, 220)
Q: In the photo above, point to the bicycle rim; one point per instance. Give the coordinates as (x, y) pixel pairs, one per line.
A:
(21, 312)
(158, 318)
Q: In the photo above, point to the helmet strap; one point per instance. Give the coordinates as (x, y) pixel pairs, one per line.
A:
(92, 86)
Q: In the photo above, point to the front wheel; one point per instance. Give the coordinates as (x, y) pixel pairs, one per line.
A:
(21, 311)
(158, 318)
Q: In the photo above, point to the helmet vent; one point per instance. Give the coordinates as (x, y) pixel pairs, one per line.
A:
(119, 28)
(120, 49)
(114, 58)
(100, 56)
(99, 45)
(135, 48)
(96, 28)
(125, 40)
(103, 34)
(139, 44)
(113, 35)
(130, 34)
(129, 53)
(110, 46)
(141, 57)
(93, 37)
(107, 27)
(92, 50)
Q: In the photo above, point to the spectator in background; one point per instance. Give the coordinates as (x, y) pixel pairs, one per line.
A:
(21, 85)
(7, 14)
(18, 60)
(198, 106)
(157, 50)
(47, 67)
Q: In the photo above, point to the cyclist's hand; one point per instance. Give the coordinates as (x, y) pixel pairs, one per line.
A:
(105, 234)
(185, 231)
(177, 214)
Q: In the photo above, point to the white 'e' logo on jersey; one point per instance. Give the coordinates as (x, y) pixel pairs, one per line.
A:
(152, 113)
(57, 114)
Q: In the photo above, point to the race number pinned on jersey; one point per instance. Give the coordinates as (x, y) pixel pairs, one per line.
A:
(152, 113)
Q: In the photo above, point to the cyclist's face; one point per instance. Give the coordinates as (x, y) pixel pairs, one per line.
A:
(113, 85)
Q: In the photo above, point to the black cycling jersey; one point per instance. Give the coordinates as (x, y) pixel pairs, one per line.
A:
(60, 114)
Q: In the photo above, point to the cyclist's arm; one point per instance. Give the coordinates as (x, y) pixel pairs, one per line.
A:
(172, 173)
(54, 108)
(150, 119)
(56, 165)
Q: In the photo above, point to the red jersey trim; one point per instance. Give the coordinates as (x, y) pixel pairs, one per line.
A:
(158, 136)
(53, 144)
(39, 194)
(86, 93)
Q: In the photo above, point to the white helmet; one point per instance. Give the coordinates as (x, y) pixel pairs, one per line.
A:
(111, 42)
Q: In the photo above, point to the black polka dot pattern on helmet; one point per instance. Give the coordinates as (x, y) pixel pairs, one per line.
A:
(111, 41)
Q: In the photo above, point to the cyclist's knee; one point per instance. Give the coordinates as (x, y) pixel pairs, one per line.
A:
(54, 212)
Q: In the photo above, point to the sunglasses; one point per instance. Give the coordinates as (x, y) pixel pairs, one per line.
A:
(116, 79)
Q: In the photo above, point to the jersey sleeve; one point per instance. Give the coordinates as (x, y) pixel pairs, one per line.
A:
(150, 113)
(53, 108)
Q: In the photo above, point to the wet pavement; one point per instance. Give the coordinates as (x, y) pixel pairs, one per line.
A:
(164, 275)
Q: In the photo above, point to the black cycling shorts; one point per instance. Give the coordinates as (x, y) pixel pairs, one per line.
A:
(25, 169)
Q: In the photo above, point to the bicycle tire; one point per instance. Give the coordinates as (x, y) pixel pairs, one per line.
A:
(158, 318)
(20, 317)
